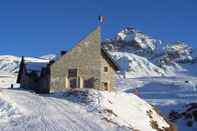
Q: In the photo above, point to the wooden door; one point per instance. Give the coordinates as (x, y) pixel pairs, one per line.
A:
(73, 83)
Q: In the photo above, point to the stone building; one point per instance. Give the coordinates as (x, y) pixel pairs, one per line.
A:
(87, 65)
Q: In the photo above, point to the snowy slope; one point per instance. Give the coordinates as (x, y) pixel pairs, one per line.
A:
(77, 110)
(166, 93)
(133, 66)
(10, 64)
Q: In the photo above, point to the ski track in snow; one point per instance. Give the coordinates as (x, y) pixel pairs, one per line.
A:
(46, 113)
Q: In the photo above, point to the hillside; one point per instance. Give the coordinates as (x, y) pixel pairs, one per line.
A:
(10, 63)
(133, 66)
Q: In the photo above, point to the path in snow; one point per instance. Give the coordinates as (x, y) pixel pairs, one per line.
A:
(44, 113)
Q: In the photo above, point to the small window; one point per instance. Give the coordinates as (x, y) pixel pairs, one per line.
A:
(72, 73)
(105, 69)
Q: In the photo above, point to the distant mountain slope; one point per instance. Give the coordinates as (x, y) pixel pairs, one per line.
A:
(48, 57)
(133, 66)
(10, 64)
(161, 58)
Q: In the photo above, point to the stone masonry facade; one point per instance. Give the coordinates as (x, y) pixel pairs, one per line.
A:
(92, 69)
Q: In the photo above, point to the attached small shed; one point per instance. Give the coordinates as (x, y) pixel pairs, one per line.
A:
(34, 75)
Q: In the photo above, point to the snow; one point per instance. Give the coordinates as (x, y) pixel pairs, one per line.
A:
(48, 113)
(92, 111)
(126, 34)
(166, 93)
(130, 34)
(10, 64)
(133, 66)
(179, 51)
(49, 56)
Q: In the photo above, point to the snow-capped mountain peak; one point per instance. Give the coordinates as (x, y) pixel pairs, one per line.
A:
(126, 34)
(136, 38)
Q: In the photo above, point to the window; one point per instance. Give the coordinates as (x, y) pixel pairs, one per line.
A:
(105, 85)
(72, 73)
(105, 69)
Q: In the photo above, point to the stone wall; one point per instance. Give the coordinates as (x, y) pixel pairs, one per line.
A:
(108, 76)
(86, 57)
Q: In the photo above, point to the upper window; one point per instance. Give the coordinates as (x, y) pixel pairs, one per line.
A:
(105, 69)
(72, 73)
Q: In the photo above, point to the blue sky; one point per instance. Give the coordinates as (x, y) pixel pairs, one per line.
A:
(38, 27)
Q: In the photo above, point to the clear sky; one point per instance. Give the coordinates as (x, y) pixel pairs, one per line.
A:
(38, 27)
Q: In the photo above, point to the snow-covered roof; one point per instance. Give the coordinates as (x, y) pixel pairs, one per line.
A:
(35, 64)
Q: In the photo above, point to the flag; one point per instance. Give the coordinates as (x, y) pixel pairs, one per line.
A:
(101, 19)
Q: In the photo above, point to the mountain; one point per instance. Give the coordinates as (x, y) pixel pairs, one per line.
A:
(154, 57)
(133, 41)
(48, 57)
(9, 63)
(133, 66)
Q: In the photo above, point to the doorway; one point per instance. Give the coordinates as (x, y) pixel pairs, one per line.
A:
(73, 83)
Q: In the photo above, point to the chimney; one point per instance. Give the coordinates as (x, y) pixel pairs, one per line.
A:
(51, 62)
(63, 52)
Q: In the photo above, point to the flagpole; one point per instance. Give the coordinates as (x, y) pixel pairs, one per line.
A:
(101, 20)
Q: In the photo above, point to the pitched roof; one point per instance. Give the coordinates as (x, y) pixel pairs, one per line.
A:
(109, 59)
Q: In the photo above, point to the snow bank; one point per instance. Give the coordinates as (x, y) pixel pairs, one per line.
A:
(121, 109)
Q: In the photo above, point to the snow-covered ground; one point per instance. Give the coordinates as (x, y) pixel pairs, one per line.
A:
(76, 111)
(6, 79)
(166, 93)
